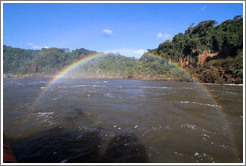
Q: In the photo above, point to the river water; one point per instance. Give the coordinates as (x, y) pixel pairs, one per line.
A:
(117, 120)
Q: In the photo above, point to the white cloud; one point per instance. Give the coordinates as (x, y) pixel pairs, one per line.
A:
(107, 31)
(167, 36)
(137, 53)
(159, 35)
(36, 47)
(140, 51)
(164, 36)
(204, 7)
(30, 44)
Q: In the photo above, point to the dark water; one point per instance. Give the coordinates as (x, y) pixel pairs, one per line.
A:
(109, 120)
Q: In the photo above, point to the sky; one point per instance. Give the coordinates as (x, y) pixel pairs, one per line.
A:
(126, 28)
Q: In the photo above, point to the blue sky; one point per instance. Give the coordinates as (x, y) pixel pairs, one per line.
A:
(129, 29)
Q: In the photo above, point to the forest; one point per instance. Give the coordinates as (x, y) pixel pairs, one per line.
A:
(208, 52)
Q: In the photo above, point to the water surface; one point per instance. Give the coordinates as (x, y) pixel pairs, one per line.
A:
(110, 120)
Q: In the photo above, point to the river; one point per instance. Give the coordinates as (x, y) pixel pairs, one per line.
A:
(117, 120)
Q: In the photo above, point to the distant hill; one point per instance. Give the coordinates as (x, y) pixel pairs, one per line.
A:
(50, 61)
(14, 59)
(47, 60)
(110, 65)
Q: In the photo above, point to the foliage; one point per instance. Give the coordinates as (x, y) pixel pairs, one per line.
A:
(14, 59)
(227, 70)
(47, 60)
(110, 64)
(225, 38)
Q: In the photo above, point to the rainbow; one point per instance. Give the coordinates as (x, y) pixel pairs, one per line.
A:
(72, 66)
(186, 72)
(66, 70)
(206, 91)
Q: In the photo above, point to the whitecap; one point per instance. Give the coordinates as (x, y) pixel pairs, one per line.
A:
(45, 113)
(99, 86)
(204, 104)
(234, 84)
(190, 126)
(56, 98)
(45, 117)
(223, 84)
(88, 95)
(79, 85)
(109, 95)
(83, 85)
(153, 87)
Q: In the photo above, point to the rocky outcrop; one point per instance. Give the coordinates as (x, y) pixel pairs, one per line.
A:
(202, 58)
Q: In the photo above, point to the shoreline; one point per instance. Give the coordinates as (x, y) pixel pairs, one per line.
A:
(206, 83)
(147, 78)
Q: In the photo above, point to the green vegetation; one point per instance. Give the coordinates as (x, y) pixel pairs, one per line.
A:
(14, 59)
(208, 52)
(110, 65)
(46, 61)
(149, 67)
(224, 40)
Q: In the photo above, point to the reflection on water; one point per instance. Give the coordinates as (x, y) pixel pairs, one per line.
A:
(108, 120)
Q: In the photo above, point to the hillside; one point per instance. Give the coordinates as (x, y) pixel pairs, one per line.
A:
(49, 61)
(211, 53)
(46, 61)
(107, 66)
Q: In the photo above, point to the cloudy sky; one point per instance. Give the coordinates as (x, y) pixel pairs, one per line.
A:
(126, 28)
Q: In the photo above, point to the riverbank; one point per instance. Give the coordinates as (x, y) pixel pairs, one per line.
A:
(39, 75)
(107, 76)
(138, 77)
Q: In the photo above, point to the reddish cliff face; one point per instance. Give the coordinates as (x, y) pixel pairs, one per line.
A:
(184, 62)
(202, 58)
